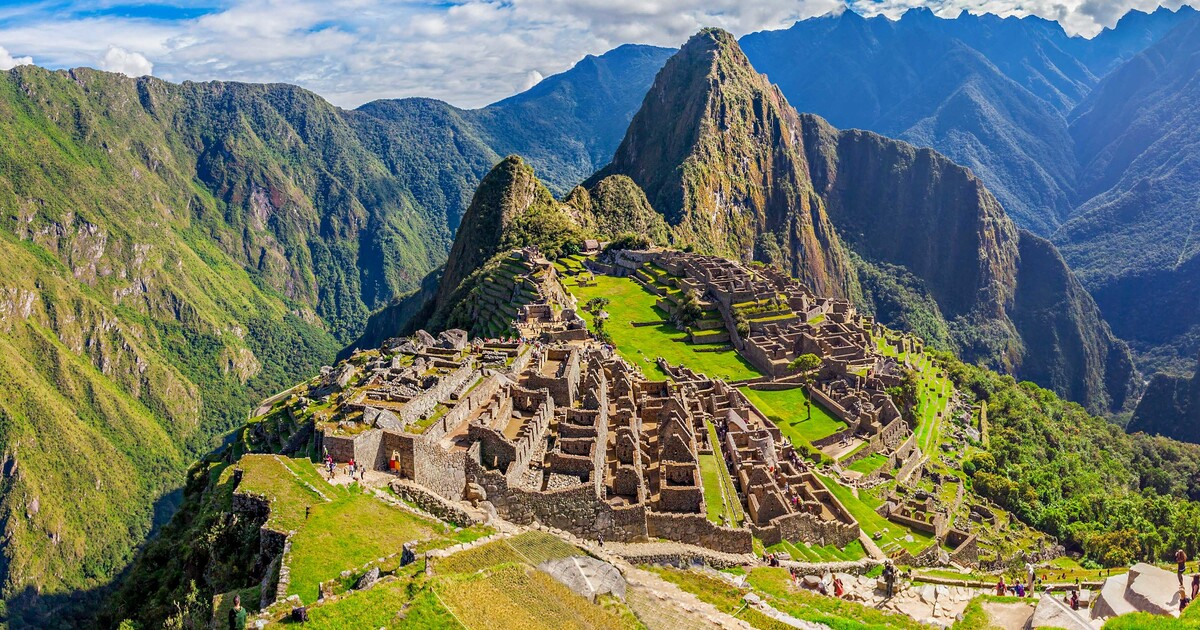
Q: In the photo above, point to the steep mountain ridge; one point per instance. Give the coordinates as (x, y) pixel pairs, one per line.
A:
(889, 202)
(715, 148)
(1170, 407)
(178, 252)
(1134, 241)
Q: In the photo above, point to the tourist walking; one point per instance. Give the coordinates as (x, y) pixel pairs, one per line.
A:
(889, 579)
(1001, 587)
(1180, 562)
(1195, 585)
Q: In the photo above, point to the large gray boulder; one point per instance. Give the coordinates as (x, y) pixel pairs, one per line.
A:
(586, 576)
(1146, 588)
(1052, 612)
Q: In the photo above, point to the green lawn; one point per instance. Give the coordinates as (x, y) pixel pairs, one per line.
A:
(862, 508)
(869, 464)
(641, 345)
(786, 408)
(346, 533)
(399, 603)
(720, 497)
(801, 552)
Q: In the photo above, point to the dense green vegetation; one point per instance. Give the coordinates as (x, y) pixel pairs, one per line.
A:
(1114, 496)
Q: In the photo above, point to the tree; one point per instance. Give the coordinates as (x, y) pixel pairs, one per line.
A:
(805, 363)
(689, 309)
(595, 305)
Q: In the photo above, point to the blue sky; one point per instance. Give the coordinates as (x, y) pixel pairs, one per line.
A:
(468, 52)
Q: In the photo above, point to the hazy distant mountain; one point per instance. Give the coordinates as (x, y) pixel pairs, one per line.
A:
(991, 93)
(1136, 239)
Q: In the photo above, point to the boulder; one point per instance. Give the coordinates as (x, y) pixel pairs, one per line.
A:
(368, 579)
(423, 338)
(387, 420)
(1052, 612)
(453, 339)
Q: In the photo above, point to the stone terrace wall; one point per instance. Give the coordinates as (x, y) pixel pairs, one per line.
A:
(800, 526)
(696, 529)
(432, 503)
(425, 401)
(576, 509)
(442, 471)
(479, 397)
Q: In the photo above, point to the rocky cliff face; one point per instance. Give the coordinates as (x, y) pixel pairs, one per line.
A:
(717, 150)
(1171, 407)
(738, 172)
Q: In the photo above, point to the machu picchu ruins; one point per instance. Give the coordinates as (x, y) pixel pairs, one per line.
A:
(538, 418)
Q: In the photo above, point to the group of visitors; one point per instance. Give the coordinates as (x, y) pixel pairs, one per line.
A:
(352, 468)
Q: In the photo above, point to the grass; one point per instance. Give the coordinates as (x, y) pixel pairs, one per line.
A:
(787, 409)
(720, 498)
(801, 552)
(641, 345)
(346, 533)
(532, 548)
(774, 584)
(835, 613)
(396, 603)
(862, 508)
(869, 464)
(518, 596)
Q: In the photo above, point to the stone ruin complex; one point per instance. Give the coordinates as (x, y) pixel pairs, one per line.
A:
(553, 427)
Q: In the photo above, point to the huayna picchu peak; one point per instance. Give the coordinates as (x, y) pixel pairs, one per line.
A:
(784, 329)
(737, 172)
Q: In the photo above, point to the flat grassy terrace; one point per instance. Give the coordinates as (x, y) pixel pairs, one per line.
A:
(641, 345)
(801, 552)
(862, 508)
(787, 409)
(869, 464)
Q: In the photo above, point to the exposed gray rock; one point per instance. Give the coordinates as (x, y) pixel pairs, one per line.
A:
(586, 576)
(368, 579)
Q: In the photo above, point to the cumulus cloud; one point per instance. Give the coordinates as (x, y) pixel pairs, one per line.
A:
(532, 78)
(469, 52)
(8, 62)
(132, 64)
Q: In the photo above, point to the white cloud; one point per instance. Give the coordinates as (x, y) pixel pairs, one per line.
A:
(469, 52)
(117, 59)
(8, 62)
(532, 78)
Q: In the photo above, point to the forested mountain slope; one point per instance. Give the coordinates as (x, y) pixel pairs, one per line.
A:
(175, 253)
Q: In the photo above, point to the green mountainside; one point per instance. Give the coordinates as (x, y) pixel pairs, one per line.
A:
(737, 172)
(177, 252)
(1135, 242)
(714, 147)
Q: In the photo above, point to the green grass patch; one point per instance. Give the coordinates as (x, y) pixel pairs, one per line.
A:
(786, 408)
(346, 533)
(720, 497)
(518, 596)
(641, 345)
(869, 464)
(862, 508)
(835, 613)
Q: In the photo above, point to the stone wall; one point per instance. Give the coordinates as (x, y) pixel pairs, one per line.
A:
(576, 509)
(696, 529)
(966, 548)
(439, 470)
(432, 503)
(801, 526)
(424, 402)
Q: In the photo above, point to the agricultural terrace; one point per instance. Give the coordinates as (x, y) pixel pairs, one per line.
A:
(489, 586)
(775, 587)
(629, 303)
(720, 495)
(345, 527)
(933, 393)
(862, 505)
